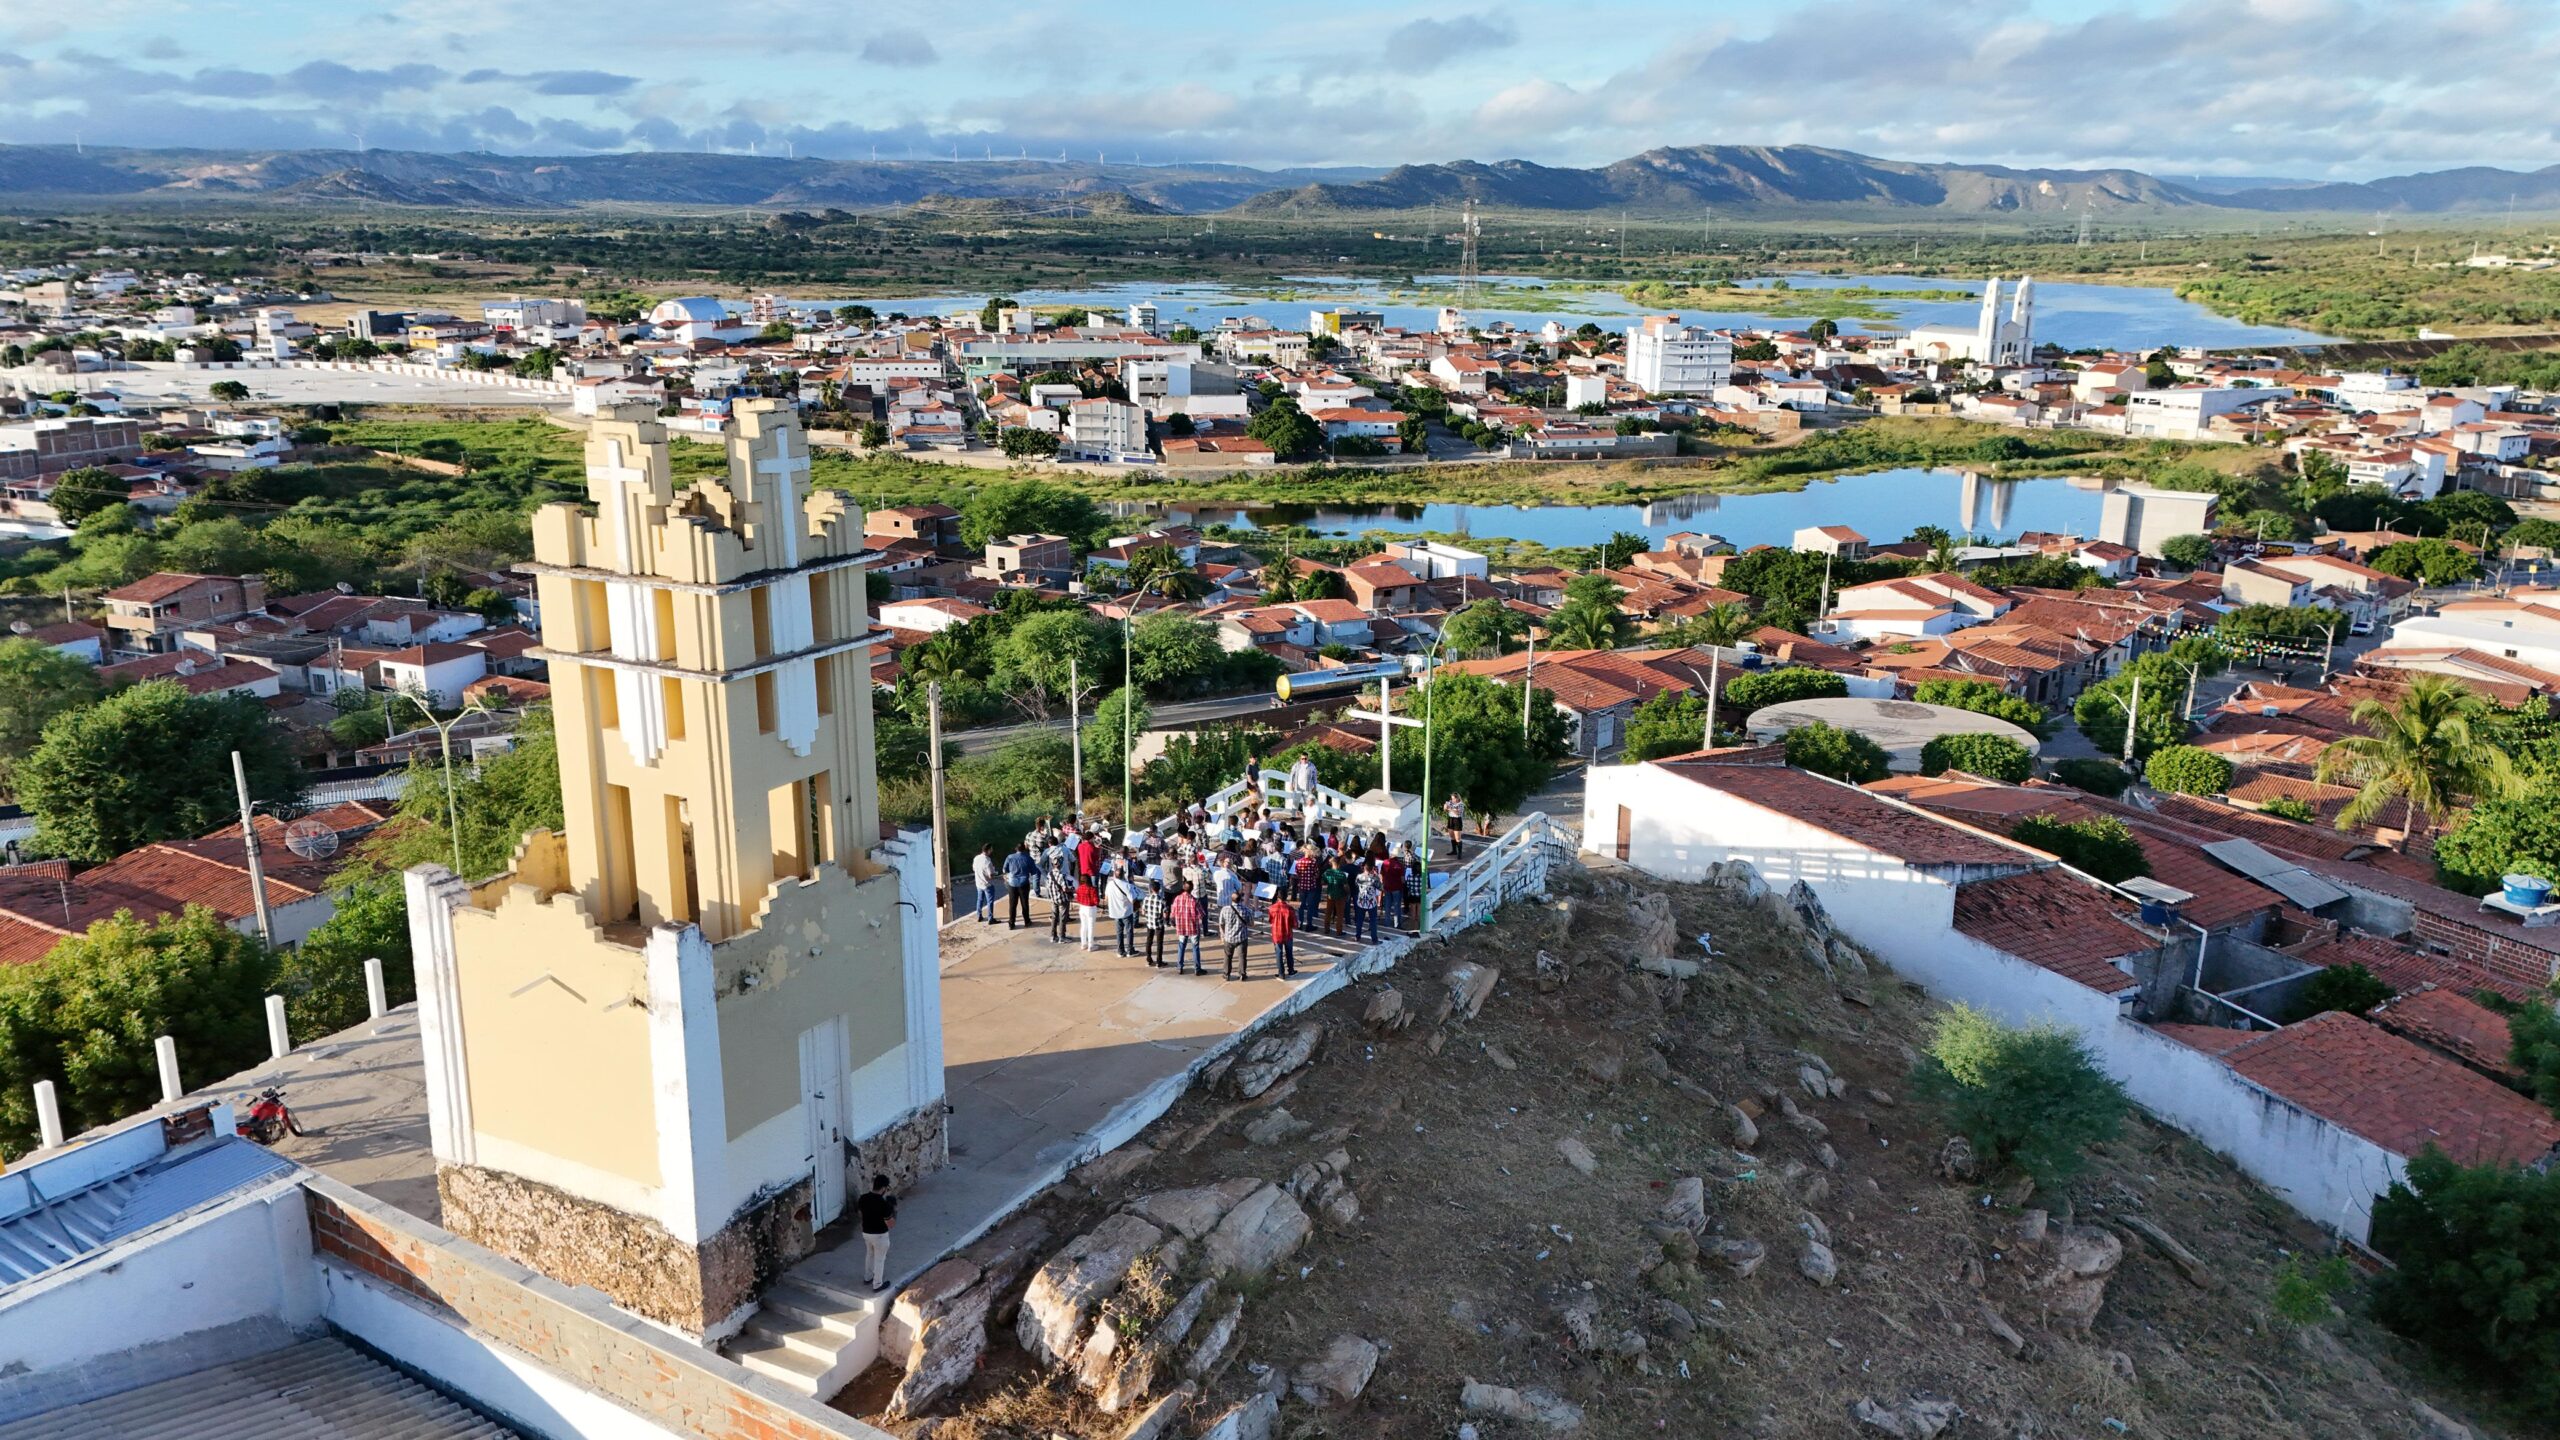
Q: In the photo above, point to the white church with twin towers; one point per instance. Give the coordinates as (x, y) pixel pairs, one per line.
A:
(2002, 336)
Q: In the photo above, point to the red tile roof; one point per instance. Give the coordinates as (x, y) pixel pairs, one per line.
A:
(2399, 1095)
(2406, 969)
(2056, 920)
(2455, 1024)
(151, 588)
(1853, 815)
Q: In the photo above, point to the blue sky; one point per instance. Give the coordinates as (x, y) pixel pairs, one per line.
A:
(2315, 88)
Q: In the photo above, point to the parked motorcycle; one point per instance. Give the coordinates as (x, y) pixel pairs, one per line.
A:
(269, 1119)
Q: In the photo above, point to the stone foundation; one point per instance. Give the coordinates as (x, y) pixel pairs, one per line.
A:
(635, 1262)
(906, 1150)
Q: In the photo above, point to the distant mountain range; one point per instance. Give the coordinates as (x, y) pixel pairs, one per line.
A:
(1684, 179)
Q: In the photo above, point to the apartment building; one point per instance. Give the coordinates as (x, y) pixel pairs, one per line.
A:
(1665, 357)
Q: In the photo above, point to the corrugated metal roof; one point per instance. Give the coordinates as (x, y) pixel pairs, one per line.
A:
(321, 1390)
(2276, 873)
(63, 1228)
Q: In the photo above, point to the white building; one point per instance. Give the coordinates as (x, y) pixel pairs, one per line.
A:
(1665, 357)
(2524, 626)
(1106, 430)
(1142, 315)
(437, 672)
(1435, 560)
(2184, 413)
(1584, 389)
(2142, 516)
(691, 318)
(528, 312)
(1997, 337)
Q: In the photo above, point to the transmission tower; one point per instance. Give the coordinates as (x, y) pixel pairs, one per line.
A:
(1468, 231)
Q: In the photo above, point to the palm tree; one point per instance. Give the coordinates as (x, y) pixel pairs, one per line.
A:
(1723, 624)
(1587, 627)
(2428, 749)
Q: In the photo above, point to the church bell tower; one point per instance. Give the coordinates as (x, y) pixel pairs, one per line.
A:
(655, 1045)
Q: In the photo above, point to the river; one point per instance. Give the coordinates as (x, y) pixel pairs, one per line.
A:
(2072, 316)
(1883, 505)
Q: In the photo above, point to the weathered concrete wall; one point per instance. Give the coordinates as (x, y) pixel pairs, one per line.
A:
(633, 1260)
(905, 1151)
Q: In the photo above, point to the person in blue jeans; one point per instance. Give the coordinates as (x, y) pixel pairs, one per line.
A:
(1366, 894)
(983, 870)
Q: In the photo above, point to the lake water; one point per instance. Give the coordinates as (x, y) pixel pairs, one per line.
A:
(2072, 316)
(1883, 506)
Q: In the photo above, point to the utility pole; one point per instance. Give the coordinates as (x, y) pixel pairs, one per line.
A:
(1528, 686)
(1825, 608)
(2132, 713)
(249, 845)
(1715, 664)
(942, 896)
(1075, 732)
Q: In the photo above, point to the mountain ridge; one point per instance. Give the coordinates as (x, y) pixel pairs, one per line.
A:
(1671, 179)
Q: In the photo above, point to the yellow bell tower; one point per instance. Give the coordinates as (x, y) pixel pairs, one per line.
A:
(653, 1045)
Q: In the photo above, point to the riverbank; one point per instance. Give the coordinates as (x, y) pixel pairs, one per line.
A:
(539, 451)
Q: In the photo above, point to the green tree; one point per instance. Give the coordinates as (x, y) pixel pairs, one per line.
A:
(503, 799)
(1840, 754)
(2187, 770)
(215, 547)
(2476, 1270)
(1993, 757)
(1483, 628)
(1984, 698)
(2351, 988)
(1476, 745)
(2100, 709)
(1159, 570)
(2434, 744)
(2507, 835)
(83, 492)
(2188, 552)
(2033, 1098)
(2098, 777)
(1589, 618)
(1287, 430)
(1723, 625)
(230, 392)
(2537, 533)
(1021, 442)
(1032, 660)
(2286, 807)
(148, 763)
(85, 1016)
(37, 683)
(1029, 507)
(2429, 562)
(992, 313)
(1758, 689)
(1106, 759)
(322, 979)
(1673, 722)
(2101, 846)
(1168, 649)
(875, 435)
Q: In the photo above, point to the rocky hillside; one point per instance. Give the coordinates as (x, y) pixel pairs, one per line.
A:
(1745, 177)
(1570, 1173)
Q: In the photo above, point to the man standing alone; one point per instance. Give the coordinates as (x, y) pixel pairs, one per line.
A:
(878, 1212)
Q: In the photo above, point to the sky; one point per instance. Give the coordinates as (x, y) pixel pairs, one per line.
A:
(2317, 89)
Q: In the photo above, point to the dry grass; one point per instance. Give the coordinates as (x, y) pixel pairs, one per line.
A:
(1474, 1232)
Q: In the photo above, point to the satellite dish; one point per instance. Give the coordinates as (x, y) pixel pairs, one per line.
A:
(310, 839)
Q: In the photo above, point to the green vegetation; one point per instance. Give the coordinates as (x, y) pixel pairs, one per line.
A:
(2030, 1098)
(2307, 1293)
(2351, 988)
(2533, 1042)
(1758, 689)
(1840, 754)
(2436, 743)
(501, 799)
(1673, 722)
(2187, 770)
(1589, 618)
(1992, 757)
(148, 763)
(2100, 846)
(2098, 777)
(2285, 807)
(2188, 552)
(2429, 562)
(2506, 835)
(37, 683)
(2476, 1270)
(1984, 698)
(1484, 628)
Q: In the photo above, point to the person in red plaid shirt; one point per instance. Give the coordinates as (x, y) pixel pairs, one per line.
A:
(1186, 932)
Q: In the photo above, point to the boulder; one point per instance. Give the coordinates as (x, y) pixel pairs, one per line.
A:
(945, 1351)
(1738, 878)
(2073, 1285)
(1578, 1155)
(1657, 929)
(1118, 1165)
(1469, 986)
(1003, 1256)
(1272, 1056)
(1740, 1256)
(1253, 1419)
(1670, 968)
(1530, 1407)
(1156, 1421)
(1687, 1206)
(1387, 1011)
(1194, 1212)
(1500, 1057)
(1261, 1231)
(1321, 1185)
(1746, 1133)
(1955, 1160)
(1215, 1337)
(1058, 1307)
(1275, 1127)
(1910, 1420)
(1338, 1375)
(1817, 1264)
(1149, 1359)
(925, 1299)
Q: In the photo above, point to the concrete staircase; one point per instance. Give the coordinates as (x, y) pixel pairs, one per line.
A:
(812, 1335)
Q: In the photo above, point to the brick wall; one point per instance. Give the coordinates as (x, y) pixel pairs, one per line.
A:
(572, 1332)
(2528, 965)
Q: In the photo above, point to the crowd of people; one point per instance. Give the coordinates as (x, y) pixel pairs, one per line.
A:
(1258, 871)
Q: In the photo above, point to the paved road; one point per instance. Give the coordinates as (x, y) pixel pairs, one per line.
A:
(288, 387)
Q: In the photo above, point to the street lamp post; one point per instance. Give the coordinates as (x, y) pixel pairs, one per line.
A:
(1128, 689)
(1430, 657)
(444, 738)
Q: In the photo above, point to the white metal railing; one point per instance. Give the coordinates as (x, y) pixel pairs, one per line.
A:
(1272, 788)
(1512, 865)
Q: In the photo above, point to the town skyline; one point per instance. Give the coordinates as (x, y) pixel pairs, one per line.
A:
(2179, 90)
